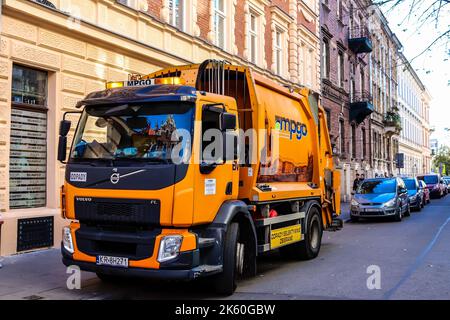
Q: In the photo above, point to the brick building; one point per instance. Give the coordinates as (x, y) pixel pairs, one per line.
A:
(53, 52)
(385, 121)
(346, 96)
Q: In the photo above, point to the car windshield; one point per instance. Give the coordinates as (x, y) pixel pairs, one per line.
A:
(145, 132)
(410, 184)
(378, 186)
(430, 179)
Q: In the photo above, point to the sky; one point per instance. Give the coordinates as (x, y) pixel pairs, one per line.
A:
(433, 67)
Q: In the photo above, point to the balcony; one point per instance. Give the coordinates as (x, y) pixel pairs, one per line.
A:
(359, 40)
(392, 122)
(360, 106)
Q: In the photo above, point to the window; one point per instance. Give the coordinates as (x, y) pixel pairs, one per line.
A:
(340, 71)
(328, 114)
(361, 80)
(253, 38)
(278, 45)
(301, 63)
(339, 9)
(364, 143)
(135, 4)
(353, 141)
(310, 65)
(326, 58)
(28, 154)
(219, 23)
(176, 13)
(341, 136)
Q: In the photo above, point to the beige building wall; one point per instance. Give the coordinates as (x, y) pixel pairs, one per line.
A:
(82, 44)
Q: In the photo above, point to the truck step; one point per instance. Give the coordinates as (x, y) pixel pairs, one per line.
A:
(336, 224)
(206, 270)
(206, 242)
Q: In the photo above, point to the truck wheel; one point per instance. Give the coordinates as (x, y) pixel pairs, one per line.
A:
(308, 248)
(233, 254)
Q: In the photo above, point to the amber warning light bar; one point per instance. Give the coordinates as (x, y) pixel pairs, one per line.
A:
(143, 82)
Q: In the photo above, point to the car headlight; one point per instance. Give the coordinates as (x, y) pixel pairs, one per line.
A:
(413, 198)
(67, 240)
(169, 248)
(355, 203)
(391, 203)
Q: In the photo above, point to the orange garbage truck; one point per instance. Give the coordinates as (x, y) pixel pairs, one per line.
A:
(194, 171)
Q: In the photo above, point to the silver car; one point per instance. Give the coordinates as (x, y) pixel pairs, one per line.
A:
(380, 198)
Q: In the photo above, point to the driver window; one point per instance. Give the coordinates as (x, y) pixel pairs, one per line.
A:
(211, 135)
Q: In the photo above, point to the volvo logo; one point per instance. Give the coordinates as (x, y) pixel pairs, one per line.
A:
(115, 178)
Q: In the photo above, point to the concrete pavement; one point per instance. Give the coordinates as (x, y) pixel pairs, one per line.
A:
(412, 255)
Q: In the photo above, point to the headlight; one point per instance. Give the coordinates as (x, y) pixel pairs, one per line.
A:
(413, 198)
(391, 203)
(169, 248)
(67, 240)
(355, 203)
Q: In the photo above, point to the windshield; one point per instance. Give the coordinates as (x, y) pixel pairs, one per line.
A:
(378, 186)
(430, 179)
(146, 131)
(410, 184)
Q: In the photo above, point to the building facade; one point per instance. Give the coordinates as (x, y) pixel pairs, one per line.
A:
(385, 122)
(346, 45)
(414, 102)
(54, 52)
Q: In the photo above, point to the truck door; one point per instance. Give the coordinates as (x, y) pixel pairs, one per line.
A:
(217, 177)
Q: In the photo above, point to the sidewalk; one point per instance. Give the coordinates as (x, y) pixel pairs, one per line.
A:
(41, 275)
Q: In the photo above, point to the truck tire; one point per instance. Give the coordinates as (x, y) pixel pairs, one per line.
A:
(225, 283)
(309, 248)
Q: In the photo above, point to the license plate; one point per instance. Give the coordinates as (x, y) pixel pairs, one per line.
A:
(372, 210)
(112, 261)
(283, 236)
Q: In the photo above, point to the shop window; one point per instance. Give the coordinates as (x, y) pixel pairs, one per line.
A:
(28, 152)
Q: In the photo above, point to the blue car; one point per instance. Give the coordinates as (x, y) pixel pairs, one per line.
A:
(383, 197)
(415, 193)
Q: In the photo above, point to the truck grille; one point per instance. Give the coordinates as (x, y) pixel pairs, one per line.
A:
(117, 211)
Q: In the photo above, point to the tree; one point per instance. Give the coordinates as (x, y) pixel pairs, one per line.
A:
(442, 160)
(423, 13)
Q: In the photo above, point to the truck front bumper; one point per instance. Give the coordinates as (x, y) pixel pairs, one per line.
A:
(162, 274)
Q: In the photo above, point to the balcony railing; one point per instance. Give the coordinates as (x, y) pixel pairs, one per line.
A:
(360, 106)
(359, 40)
(392, 122)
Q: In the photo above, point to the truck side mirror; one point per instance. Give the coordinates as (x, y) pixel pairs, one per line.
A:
(228, 121)
(64, 128)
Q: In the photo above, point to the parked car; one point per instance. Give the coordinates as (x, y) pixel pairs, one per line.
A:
(434, 184)
(415, 193)
(446, 185)
(380, 197)
(426, 192)
(447, 179)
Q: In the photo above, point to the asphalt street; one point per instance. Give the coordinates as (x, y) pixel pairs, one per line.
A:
(412, 257)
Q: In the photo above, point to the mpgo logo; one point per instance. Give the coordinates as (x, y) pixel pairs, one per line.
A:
(291, 128)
